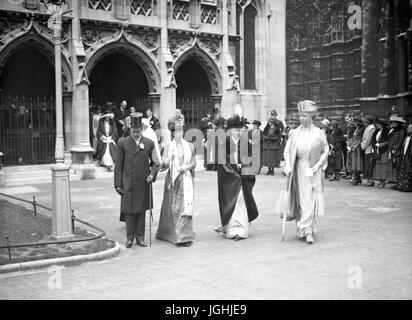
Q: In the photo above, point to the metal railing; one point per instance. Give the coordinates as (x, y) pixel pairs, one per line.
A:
(36, 205)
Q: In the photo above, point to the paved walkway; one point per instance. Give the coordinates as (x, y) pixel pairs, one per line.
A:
(363, 250)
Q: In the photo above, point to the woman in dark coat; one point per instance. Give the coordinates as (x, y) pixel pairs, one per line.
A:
(237, 205)
(272, 152)
(405, 168)
(380, 143)
(106, 135)
(356, 151)
(396, 137)
(336, 142)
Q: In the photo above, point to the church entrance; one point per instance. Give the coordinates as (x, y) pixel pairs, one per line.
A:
(193, 92)
(27, 108)
(117, 77)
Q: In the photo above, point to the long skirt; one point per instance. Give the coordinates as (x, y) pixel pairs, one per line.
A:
(404, 179)
(392, 171)
(367, 166)
(173, 225)
(271, 157)
(239, 224)
(357, 159)
(380, 169)
(311, 202)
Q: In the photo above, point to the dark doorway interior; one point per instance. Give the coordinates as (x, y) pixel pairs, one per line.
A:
(193, 92)
(27, 108)
(118, 77)
(28, 72)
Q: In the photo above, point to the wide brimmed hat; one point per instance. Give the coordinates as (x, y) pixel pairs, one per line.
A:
(325, 122)
(107, 114)
(136, 120)
(381, 121)
(357, 121)
(235, 122)
(368, 119)
(307, 106)
(294, 121)
(273, 113)
(334, 123)
(257, 122)
(396, 119)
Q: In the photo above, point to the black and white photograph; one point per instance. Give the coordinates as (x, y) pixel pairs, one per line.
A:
(205, 153)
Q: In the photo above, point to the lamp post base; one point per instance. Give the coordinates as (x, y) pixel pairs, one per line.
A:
(61, 204)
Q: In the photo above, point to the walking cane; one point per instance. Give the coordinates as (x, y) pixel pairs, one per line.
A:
(151, 214)
(287, 185)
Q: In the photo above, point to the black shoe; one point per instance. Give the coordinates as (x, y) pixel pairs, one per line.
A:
(141, 243)
(129, 244)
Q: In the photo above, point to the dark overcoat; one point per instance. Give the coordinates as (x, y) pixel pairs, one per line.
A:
(133, 166)
(230, 183)
(101, 146)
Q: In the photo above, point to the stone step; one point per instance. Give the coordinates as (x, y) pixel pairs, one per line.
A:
(39, 167)
(31, 181)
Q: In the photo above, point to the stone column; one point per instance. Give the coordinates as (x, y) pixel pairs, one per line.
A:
(82, 152)
(61, 216)
(370, 48)
(67, 111)
(388, 53)
(230, 88)
(167, 105)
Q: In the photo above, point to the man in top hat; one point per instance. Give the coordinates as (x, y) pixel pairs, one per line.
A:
(136, 167)
(367, 148)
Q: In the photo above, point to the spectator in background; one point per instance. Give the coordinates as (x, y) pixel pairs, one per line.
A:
(336, 146)
(405, 168)
(119, 115)
(380, 141)
(356, 152)
(396, 137)
(367, 148)
(106, 144)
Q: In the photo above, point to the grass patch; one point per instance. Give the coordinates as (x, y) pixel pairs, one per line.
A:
(22, 226)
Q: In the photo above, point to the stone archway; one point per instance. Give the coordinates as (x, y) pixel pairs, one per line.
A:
(131, 49)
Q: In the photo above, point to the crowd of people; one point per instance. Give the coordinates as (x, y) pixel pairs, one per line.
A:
(366, 150)
(113, 123)
(371, 150)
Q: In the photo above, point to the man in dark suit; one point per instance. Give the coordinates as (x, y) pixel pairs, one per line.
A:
(136, 167)
(119, 115)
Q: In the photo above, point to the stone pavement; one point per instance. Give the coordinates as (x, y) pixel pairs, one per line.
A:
(363, 250)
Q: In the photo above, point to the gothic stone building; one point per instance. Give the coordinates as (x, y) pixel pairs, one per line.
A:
(350, 56)
(196, 55)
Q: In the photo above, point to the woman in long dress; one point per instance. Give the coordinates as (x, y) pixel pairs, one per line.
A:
(306, 154)
(405, 168)
(356, 152)
(380, 142)
(272, 152)
(106, 136)
(237, 205)
(176, 216)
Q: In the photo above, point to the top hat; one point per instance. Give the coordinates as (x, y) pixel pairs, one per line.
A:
(368, 119)
(307, 106)
(257, 122)
(136, 120)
